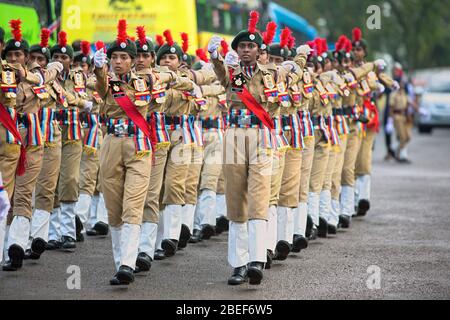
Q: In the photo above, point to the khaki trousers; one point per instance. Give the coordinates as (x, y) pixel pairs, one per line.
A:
(176, 171)
(290, 183)
(9, 159)
(212, 162)
(402, 130)
(320, 162)
(305, 172)
(70, 168)
(48, 177)
(90, 163)
(351, 154)
(337, 172)
(364, 160)
(221, 183)
(277, 175)
(124, 178)
(151, 209)
(327, 179)
(193, 175)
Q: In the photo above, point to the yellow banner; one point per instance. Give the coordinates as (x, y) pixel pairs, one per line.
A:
(97, 20)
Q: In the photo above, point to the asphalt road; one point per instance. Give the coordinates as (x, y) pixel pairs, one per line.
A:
(404, 242)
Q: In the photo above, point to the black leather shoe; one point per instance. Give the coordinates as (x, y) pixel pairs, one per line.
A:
(207, 231)
(344, 221)
(101, 228)
(170, 247)
(314, 233)
(282, 250)
(159, 255)
(299, 243)
(16, 255)
(185, 235)
(222, 224)
(238, 277)
(91, 232)
(78, 229)
(363, 207)
(270, 256)
(323, 228)
(37, 248)
(125, 275)
(67, 243)
(309, 226)
(332, 229)
(255, 272)
(196, 237)
(53, 245)
(143, 262)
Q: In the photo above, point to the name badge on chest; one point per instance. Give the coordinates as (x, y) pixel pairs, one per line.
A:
(237, 83)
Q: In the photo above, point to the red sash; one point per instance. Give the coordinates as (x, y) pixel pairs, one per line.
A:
(374, 122)
(132, 112)
(253, 105)
(8, 123)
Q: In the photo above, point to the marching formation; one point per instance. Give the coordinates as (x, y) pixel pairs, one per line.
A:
(267, 141)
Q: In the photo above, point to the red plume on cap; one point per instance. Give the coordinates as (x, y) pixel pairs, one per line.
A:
(99, 45)
(348, 46)
(140, 31)
(285, 35)
(324, 45)
(85, 47)
(319, 47)
(62, 39)
(357, 34)
(312, 45)
(16, 29)
(341, 43)
(225, 47)
(291, 43)
(185, 42)
(201, 54)
(159, 40)
(253, 21)
(122, 32)
(45, 35)
(271, 29)
(168, 36)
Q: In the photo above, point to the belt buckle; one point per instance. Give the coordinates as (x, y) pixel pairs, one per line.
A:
(245, 120)
(120, 129)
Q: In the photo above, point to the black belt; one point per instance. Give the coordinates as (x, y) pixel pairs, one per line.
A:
(121, 130)
(23, 120)
(211, 123)
(338, 112)
(401, 112)
(315, 120)
(348, 111)
(249, 120)
(173, 120)
(286, 120)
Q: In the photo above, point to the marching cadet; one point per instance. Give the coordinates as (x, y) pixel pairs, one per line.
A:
(73, 81)
(27, 107)
(399, 104)
(211, 118)
(90, 205)
(368, 86)
(185, 135)
(125, 159)
(145, 60)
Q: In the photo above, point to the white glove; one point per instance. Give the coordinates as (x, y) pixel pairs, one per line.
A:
(232, 58)
(100, 58)
(55, 66)
(197, 92)
(380, 88)
(304, 49)
(389, 125)
(88, 106)
(348, 77)
(5, 205)
(291, 66)
(395, 86)
(213, 45)
(380, 64)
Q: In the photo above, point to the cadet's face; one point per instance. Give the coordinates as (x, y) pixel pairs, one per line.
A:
(263, 57)
(65, 60)
(121, 62)
(318, 68)
(276, 60)
(17, 56)
(144, 60)
(347, 63)
(248, 52)
(359, 52)
(328, 65)
(171, 61)
(39, 58)
(335, 64)
(83, 65)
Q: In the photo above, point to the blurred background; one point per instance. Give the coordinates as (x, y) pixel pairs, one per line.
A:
(412, 35)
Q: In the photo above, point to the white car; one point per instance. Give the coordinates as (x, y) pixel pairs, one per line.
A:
(434, 110)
